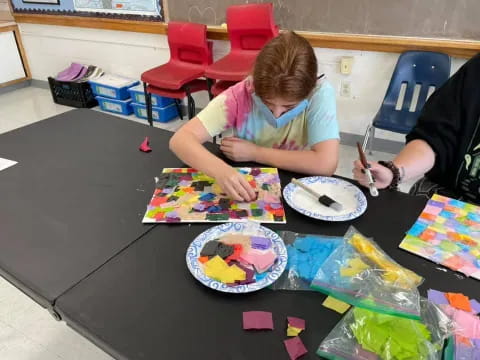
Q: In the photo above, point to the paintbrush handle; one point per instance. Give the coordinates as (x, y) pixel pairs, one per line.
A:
(371, 183)
(306, 188)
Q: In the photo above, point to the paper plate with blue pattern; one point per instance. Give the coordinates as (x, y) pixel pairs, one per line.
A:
(245, 228)
(351, 198)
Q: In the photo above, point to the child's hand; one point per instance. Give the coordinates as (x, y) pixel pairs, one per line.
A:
(382, 175)
(238, 149)
(235, 185)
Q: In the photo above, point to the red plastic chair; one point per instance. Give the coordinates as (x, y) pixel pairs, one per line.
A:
(250, 27)
(190, 54)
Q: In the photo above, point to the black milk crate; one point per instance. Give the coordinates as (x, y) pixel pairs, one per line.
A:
(73, 94)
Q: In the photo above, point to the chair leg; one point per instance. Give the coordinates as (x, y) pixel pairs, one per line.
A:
(148, 104)
(366, 137)
(372, 138)
(179, 109)
(209, 85)
(191, 106)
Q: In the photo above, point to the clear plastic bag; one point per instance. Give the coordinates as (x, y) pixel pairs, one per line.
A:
(359, 273)
(306, 253)
(367, 335)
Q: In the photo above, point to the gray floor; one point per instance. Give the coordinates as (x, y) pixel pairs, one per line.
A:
(27, 331)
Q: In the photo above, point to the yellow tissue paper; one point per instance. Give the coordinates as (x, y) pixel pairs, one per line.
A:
(394, 273)
(336, 305)
(232, 274)
(355, 266)
(217, 269)
(293, 331)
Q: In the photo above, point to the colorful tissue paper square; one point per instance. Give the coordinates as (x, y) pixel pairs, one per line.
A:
(194, 197)
(336, 305)
(296, 322)
(257, 320)
(293, 331)
(437, 297)
(447, 232)
(459, 301)
(475, 306)
(295, 348)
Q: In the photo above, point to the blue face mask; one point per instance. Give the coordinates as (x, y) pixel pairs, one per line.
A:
(285, 118)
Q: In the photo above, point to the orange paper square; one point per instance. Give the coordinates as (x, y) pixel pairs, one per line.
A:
(427, 216)
(459, 301)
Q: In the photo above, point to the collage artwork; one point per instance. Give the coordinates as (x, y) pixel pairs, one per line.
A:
(185, 195)
(447, 233)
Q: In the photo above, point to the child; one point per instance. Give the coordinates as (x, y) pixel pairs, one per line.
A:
(282, 116)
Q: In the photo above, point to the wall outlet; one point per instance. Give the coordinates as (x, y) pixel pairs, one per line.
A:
(346, 88)
(346, 64)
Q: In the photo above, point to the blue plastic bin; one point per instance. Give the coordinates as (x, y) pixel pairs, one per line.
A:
(159, 114)
(123, 107)
(138, 95)
(107, 91)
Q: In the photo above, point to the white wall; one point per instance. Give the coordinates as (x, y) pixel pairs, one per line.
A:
(51, 49)
(11, 66)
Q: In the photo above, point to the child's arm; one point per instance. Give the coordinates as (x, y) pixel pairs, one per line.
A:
(187, 145)
(321, 159)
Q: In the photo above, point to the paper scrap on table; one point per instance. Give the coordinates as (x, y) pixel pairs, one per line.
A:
(459, 301)
(144, 146)
(295, 326)
(295, 347)
(296, 322)
(5, 163)
(293, 331)
(475, 306)
(437, 297)
(257, 320)
(336, 305)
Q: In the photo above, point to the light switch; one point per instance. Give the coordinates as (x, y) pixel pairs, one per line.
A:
(346, 64)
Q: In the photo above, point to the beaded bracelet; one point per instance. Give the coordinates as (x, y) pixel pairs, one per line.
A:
(396, 174)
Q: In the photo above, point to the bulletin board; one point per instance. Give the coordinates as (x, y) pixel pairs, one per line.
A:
(124, 9)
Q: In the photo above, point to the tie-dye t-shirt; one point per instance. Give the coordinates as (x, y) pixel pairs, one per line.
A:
(235, 109)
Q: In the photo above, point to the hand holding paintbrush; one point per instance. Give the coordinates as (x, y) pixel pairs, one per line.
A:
(371, 181)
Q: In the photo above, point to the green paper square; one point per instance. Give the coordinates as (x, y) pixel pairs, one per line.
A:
(257, 212)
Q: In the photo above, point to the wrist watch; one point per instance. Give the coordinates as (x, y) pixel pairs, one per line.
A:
(397, 178)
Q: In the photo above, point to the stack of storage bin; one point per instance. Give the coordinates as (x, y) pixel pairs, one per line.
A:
(163, 109)
(112, 93)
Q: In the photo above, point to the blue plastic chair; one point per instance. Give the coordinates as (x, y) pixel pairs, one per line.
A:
(428, 70)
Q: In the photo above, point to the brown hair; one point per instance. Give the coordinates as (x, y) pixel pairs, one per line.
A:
(286, 67)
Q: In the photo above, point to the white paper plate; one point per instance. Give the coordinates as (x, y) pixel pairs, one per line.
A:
(352, 199)
(193, 252)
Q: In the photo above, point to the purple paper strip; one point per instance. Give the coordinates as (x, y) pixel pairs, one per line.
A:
(437, 297)
(475, 306)
(463, 352)
(436, 203)
(261, 243)
(172, 214)
(199, 207)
